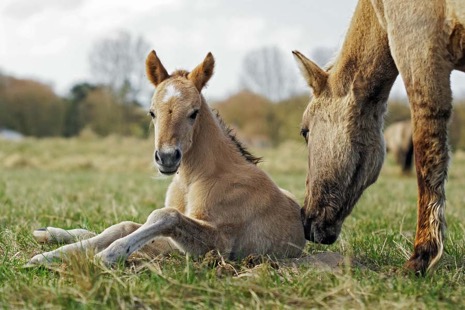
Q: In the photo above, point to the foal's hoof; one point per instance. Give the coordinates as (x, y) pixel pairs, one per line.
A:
(41, 235)
(107, 259)
(39, 259)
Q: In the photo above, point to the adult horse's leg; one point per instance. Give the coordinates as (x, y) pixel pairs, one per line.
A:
(431, 111)
(431, 161)
(421, 57)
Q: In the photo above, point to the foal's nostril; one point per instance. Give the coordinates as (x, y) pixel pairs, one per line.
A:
(169, 157)
(157, 158)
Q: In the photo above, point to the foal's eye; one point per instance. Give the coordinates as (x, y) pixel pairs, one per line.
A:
(304, 133)
(152, 114)
(194, 114)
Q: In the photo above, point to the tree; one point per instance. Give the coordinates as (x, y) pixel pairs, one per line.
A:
(101, 114)
(30, 107)
(118, 62)
(74, 120)
(266, 71)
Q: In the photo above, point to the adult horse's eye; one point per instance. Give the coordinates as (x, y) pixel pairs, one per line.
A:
(194, 114)
(304, 133)
(152, 114)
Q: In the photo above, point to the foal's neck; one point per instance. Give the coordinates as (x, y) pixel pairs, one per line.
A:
(366, 53)
(211, 151)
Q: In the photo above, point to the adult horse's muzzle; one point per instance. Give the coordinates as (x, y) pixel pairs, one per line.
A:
(324, 234)
(168, 160)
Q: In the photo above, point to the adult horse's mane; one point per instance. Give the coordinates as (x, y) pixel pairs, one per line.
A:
(228, 131)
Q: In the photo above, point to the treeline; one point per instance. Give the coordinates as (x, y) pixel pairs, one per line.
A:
(261, 122)
(33, 109)
(267, 112)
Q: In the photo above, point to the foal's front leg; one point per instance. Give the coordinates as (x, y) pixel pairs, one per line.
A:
(96, 243)
(189, 235)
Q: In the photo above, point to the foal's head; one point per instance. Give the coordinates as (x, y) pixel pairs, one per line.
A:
(175, 109)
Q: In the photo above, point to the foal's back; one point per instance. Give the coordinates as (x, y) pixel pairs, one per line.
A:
(231, 193)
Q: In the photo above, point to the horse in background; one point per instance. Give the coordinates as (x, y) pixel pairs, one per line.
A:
(398, 137)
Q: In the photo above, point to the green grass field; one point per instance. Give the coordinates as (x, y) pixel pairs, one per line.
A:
(96, 183)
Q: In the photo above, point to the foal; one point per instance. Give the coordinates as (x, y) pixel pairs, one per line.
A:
(218, 199)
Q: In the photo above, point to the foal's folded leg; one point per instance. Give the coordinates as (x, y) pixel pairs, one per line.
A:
(58, 235)
(189, 235)
(95, 244)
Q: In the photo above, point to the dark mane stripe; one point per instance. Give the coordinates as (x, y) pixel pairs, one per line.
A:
(228, 131)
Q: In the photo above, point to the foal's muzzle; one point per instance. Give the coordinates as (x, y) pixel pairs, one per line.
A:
(168, 160)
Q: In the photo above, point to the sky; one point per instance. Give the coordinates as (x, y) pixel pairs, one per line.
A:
(50, 40)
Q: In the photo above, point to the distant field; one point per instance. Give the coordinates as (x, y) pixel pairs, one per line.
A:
(95, 183)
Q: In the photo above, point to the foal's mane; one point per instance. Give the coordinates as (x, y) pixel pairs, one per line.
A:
(228, 131)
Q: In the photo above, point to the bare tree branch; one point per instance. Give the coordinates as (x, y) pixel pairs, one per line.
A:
(266, 71)
(118, 62)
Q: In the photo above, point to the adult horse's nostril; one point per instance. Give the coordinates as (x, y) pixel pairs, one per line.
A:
(177, 155)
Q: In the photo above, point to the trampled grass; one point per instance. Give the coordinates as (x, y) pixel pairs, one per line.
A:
(96, 183)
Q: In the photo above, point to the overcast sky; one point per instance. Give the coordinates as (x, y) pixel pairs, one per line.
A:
(50, 40)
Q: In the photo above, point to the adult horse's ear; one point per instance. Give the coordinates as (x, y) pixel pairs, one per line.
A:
(315, 76)
(203, 72)
(156, 72)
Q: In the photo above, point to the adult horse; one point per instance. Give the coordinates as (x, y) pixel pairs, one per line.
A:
(423, 41)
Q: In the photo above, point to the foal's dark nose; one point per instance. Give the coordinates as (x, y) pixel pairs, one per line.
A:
(168, 158)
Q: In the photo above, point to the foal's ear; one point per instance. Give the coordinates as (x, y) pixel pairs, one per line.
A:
(156, 72)
(315, 76)
(203, 72)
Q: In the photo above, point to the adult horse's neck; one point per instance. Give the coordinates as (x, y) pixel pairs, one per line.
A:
(211, 150)
(365, 58)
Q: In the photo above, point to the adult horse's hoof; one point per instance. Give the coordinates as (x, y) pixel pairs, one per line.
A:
(424, 258)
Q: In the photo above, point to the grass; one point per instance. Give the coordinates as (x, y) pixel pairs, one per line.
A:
(96, 183)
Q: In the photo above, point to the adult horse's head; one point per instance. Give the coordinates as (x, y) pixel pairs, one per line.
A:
(175, 108)
(342, 127)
